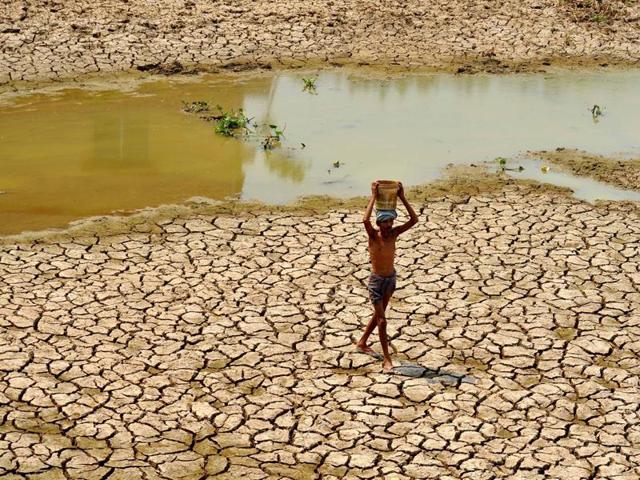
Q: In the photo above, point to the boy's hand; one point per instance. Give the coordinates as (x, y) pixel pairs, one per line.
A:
(400, 190)
(374, 189)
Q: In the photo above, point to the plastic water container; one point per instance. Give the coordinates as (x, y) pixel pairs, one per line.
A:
(387, 198)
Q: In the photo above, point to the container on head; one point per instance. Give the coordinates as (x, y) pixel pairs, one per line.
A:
(387, 197)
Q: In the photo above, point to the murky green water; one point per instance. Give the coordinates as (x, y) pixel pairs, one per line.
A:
(82, 152)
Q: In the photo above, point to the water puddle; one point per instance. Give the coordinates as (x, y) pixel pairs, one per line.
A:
(583, 188)
(81, 152)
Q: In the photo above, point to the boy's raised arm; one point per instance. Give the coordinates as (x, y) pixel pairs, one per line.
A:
(367, 213)
(413, 217)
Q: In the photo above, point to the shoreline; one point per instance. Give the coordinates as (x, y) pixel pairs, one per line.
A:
(618, 171)
(461, 66)
(64, 41)
(459, 184)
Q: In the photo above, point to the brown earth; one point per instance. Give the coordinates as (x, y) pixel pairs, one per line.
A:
(50, 39)
(624, 173)
(219, 346)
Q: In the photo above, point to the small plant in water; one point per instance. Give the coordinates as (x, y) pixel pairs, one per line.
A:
(309, 84)
(502, 163)
(273, 140)
(229, 122)
(596, 112)
(198, 106)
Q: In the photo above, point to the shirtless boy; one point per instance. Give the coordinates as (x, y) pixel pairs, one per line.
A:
(382, 282)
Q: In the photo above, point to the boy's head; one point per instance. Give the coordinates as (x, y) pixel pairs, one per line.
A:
(384, 219)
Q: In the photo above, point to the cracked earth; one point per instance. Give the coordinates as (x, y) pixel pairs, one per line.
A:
(220, 347)
(49, 39)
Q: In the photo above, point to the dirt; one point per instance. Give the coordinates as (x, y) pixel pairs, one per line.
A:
(617, 171)
(42, 40)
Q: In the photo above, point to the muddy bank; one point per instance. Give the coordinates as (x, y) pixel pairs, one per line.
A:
(219, 346)
(55, 40)
(460, 183)
(624, 173)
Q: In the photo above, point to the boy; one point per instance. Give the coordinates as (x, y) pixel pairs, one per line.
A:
(382, 282)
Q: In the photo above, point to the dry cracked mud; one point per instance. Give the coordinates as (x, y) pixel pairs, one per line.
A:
(51, 39)
(220, 347)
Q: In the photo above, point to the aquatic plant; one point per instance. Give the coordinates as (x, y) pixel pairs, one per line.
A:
(502, 162)
(235, 123)
(198, 106)
(228, 122)
(596, 112)
(309, 84)
(273, 140)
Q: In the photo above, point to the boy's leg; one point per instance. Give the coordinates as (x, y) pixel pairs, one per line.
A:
(382, 332)
(385, 302)
(362, 343)
(372, 287)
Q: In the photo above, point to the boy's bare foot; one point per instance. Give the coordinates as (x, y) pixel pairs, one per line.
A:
(368, 350)
(387, 366)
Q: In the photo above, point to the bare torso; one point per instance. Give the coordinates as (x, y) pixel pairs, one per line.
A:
(382, 252)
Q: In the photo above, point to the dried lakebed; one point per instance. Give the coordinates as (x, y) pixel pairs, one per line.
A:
(219, 346)
(102, 147)
(42, 40)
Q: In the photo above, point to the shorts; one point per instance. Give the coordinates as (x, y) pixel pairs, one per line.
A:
(380, 287)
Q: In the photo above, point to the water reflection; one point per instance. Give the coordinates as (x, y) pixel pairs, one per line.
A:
(84, 152)
(285, 166)
(120, 142)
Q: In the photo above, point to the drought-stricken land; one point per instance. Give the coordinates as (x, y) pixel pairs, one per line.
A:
(220, 345)
(43, 39)
(215, 342)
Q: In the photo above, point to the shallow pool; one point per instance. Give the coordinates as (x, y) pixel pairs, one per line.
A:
(95, 149)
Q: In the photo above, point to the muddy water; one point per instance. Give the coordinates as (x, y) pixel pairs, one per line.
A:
(96, 149)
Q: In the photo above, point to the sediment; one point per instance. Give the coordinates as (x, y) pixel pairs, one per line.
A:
(220, 346)
(622, 172)
(50, 40)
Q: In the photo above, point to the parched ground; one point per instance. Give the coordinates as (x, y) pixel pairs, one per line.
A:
(54, 39)
(220, 347)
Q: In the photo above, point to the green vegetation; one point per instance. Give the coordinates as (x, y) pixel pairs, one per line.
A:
(229, 122)
(234, 123)
(309, 84)
(502, 163)
(272, 140)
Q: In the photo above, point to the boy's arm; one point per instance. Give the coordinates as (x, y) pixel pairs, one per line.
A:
(413, 217)
(367, 214)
